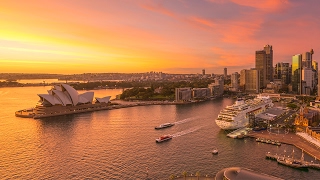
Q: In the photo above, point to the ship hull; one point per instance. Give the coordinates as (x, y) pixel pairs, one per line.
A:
(237, 115)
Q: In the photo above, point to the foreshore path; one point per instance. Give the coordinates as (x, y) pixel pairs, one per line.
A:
(290, 138)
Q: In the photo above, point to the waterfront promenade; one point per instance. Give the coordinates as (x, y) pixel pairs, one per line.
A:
(289, 138)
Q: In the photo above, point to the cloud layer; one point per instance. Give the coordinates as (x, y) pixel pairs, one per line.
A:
(183, 36)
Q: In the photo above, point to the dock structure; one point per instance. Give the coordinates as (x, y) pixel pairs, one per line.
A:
(306, 163)
(291, 139)
(268, 141)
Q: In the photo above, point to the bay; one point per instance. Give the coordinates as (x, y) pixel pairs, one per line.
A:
(120, 143)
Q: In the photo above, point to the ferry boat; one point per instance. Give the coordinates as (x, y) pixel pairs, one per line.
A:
(165, 125)
(237, 115)
(163, 138)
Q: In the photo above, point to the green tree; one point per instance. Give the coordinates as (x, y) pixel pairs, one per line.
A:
(172, 177)
(292, 106)
(198, 175)
(184, 174)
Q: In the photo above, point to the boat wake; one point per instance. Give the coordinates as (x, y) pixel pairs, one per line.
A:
(185, 120)
(181, 133)
(2, 93)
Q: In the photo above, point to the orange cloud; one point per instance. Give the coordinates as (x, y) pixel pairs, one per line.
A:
(158, 8)
(264, 5)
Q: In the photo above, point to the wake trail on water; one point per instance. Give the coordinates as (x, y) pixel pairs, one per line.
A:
(3, 93)
(185, 120)
(190, 130)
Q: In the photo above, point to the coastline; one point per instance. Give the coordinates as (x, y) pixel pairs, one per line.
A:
(115, 104)
(290, 138)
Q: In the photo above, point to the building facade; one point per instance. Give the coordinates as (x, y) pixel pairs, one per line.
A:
(249, 80)
(217, 88)
(296, 73)
(264, 63)
(201, 93)
(283, 72)
(304, 74)
(183, 94)
(234, 81)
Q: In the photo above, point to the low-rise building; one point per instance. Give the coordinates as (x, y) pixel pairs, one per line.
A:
(183, 94)
(305, 117)
(201, 93)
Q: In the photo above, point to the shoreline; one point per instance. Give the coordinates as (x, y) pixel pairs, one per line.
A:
(291, 139)
(53, 111)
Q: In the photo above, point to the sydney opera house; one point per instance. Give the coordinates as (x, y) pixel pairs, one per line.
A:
(63, 99)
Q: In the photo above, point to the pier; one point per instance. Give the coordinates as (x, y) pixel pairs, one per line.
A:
(290, 138)
(306, 163)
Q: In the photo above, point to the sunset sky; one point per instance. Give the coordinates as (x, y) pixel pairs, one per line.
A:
(172, 36)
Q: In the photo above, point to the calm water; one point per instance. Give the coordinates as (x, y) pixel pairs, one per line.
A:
(120, 144)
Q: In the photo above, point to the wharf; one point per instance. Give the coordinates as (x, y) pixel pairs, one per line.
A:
(308, 164)
(291, 139)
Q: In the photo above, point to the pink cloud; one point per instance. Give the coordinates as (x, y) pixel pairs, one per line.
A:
(261, 5)
(202, 21)
(264, 5)
(158, 8)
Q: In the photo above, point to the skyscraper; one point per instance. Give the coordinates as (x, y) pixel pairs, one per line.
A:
(234, 81)
(296, 73)
(225, 72)
(282, 71)
(249, 80)
(264, 63)
(203, 72)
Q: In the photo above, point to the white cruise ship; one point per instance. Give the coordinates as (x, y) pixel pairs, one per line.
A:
(237, 115)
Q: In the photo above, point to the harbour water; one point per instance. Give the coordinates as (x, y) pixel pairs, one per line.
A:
(120, 143)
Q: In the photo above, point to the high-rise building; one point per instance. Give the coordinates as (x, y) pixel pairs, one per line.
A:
(304, 73)
(296, 73)
(203, 72)
(234, 81)
(318, 84)
(283, 72)
(308, 74)
(225, 72)
(217, 88)
(249, 80)
(315, 65)
(264, 63)
(269, 61)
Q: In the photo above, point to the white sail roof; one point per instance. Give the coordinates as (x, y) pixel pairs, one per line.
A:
(67, 95)
(104, 99)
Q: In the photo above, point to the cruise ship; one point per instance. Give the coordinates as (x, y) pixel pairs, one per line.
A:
(237, 115)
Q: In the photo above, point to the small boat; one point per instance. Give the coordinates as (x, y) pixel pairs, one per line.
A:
(215, 151)
(165, 125)
(163, 138)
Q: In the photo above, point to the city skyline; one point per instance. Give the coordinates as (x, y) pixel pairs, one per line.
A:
(141, 36)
